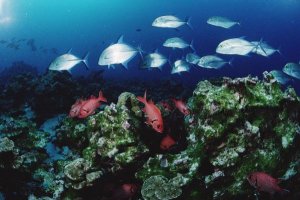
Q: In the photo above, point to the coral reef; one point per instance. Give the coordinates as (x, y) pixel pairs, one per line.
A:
(22, 152)
(236, 126)
(17, 68)
(247, 125)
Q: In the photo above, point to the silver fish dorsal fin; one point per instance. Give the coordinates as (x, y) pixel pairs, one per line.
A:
(120, 40)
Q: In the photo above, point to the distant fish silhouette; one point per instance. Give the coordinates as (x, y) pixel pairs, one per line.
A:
(138, 30)
(54, 50)
(31, 44)
(3, 41)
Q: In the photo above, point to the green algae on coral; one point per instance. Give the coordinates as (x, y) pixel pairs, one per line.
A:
(236, 120)
(237, 126)
(160, 188)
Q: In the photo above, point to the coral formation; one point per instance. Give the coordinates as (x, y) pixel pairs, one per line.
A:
(236, 126)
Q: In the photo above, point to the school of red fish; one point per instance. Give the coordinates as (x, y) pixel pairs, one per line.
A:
(261, 181)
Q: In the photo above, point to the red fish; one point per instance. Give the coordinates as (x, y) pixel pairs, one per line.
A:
(153, 114)
(166, 105)
(181, 106)
(265, 183)
(75, 109)
(167, 142)
(124, 192)
(90, 105)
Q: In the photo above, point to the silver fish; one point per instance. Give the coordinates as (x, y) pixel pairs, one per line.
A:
(119, 53)
(192, 58)
(264, 49)
(154, 60)
(170, 21)
(177, 42)
(235, 46)
(67, 62)
(280, 77)
(292, 69)
(212, 62)
(221, 22)
(180, 66)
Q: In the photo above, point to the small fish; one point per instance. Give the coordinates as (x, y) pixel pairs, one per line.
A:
(192, 58)
(222, 22)
(119, 53)
(167, 142)
(170, 21)
(124, 192)
(292, 69)
(265, 183)
(154, 118)
(138, 30)
(212, 62)
(154, 60)
(3, 41)
(235, 46)
(166, 105)
(280, 77)
(180, 66)
(177, 42)
(264, 49)
(90, 105)
(75, 109)
(30, 41)
(181, 106)
(67, 62)
(54, 51)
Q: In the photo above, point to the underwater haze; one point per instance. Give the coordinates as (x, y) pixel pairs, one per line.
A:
(149, 99)
(90, 26)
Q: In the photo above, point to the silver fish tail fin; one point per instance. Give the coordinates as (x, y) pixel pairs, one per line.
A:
(260, 45)
(188, 22)
(192, 45)
(279, 50)
(169, 61)
(85, 60)
(140, 50)
(231, 62)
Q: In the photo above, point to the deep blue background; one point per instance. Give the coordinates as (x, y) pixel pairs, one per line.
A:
(92, 25)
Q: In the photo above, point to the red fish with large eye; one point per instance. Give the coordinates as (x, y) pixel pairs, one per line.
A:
(124, 192)
(167, 142)
(265, 183)
(90, 105)
(75, 109)
(181, 106)
(154, 118)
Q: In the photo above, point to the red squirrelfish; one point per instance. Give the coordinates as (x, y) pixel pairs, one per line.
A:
(265, 183)
(75, 109)
(153, 114)
(124, 192)
(90, 105)
(167, 142)
(166, 105)
(181, 106)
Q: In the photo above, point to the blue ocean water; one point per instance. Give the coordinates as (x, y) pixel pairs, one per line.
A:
(92, 25)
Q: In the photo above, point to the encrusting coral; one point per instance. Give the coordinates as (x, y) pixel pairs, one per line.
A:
(236, 126)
